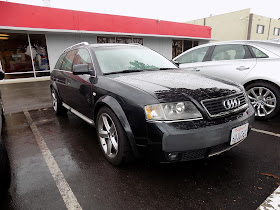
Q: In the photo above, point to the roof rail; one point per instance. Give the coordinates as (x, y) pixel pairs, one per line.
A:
(76, 45)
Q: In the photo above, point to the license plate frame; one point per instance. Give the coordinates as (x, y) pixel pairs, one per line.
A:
(239, 133)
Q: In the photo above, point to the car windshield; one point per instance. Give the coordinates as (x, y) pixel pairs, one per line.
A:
(130, 58)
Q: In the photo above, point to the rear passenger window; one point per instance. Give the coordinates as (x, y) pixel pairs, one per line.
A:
(258, 53)
(83, 57)
(228, 52)
(68, 61)
(59, 62)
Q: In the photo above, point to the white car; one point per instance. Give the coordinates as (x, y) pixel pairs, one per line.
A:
(254, 64)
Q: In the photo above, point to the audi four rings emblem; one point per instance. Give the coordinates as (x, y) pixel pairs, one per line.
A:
(231, 103)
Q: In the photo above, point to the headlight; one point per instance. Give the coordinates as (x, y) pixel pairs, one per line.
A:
(172, 111)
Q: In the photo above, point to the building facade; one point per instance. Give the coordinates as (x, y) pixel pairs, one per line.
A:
(33, 37)
(241, 25)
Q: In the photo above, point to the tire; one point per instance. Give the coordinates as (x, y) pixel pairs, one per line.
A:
(265, 98)
(112, 138)
(5, 172)
(2, 113)
(57, 103)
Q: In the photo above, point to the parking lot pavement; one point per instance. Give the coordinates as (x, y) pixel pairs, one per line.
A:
(241, 178)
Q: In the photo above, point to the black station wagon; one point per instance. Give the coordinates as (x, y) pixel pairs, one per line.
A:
(142, 105)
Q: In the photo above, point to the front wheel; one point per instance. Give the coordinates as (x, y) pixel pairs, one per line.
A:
(112, 138)
(265, 98)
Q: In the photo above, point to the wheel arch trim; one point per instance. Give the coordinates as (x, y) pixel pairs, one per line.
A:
(114, 105)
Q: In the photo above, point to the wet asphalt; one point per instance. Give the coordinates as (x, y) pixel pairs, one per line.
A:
(237, 179)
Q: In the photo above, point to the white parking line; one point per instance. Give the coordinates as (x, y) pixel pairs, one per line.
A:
(266, 132)
(68, 196)
(273, 201)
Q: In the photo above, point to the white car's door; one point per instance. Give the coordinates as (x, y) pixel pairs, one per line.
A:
(193, 59)
(230, 61)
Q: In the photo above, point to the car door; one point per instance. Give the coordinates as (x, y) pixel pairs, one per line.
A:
(192, 59)
(62, 76)
(79, 86)
(229, 61)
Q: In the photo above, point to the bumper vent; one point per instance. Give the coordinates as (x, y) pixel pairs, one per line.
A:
(218, 107)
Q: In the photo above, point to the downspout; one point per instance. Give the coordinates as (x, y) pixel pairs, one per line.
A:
(250, 26)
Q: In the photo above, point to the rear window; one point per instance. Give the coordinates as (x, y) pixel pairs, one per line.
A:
(258, 53)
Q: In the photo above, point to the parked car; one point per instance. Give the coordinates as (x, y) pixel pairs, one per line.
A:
(143, 105)
(254, 64)
(5, 174)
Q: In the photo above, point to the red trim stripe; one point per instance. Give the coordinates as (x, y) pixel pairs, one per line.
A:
(21, 15)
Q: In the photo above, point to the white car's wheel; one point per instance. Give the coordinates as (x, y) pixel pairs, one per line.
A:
(265, 98)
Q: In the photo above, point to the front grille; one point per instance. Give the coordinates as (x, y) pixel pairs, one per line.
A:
(193, 154)
(215, 107)
(206, 152)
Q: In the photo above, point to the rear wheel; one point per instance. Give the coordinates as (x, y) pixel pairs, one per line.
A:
(57, 103)
(112, 138)
(265, 98)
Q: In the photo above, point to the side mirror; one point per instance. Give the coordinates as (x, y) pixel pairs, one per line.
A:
(175, 62)
(2, 74)
(81, 69)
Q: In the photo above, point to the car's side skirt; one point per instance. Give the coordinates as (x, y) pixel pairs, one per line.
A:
(74, 111)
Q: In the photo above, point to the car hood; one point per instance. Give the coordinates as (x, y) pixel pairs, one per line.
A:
(177, 85)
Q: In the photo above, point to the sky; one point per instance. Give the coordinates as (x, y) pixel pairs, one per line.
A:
(174, 10)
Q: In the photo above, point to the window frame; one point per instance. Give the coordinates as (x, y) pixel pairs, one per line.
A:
(259, 25)
(276, 29)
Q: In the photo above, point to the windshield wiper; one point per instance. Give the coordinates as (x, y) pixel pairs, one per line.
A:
(123, 71)
(136, 70)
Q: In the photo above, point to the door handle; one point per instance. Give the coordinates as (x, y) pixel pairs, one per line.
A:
(195, 69)
(241, 68)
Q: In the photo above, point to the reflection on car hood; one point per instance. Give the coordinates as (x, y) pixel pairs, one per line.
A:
(175, 85)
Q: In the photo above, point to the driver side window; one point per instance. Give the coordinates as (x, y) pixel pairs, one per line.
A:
(193, 56)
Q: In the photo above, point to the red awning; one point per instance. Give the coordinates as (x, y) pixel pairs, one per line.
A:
(35, 17)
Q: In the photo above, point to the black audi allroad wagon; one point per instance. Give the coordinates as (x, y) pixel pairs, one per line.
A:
(144, 105)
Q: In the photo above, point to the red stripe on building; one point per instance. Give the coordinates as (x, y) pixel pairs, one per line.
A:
(27, 16)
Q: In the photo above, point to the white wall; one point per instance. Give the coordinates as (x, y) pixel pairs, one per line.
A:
(56, 43)
(160, 45)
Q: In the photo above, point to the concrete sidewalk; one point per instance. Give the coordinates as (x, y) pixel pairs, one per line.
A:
(16, 95)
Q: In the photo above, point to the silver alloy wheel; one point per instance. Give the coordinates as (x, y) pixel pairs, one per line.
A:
(54, 100)
(263, 100)
(108, 135)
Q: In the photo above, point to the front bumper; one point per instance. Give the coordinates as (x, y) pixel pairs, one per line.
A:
(196, 139)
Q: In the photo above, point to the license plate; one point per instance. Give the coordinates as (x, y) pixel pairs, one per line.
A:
(238, 134)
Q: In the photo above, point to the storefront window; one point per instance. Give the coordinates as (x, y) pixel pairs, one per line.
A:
(16, 55)
(39, 54)
(179, 46)
(13, 55)
(124, 40)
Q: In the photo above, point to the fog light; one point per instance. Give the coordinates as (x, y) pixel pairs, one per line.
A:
(173, 156)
